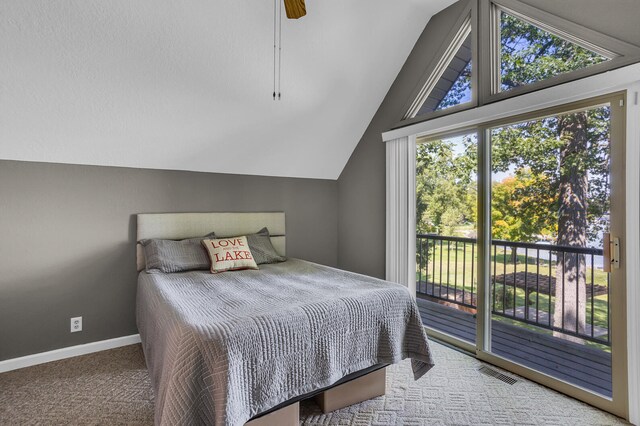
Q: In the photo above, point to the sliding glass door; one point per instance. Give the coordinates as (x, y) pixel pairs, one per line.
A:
(520, 246)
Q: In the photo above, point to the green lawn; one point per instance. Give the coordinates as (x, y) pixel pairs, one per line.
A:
(463, 262)
(454, 268)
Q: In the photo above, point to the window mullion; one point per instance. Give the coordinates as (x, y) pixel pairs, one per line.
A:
(483, 318)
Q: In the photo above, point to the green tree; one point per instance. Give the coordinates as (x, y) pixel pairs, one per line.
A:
(571, 150)
(558, 166)
(521, 207)
(529, 54)
(564, 162)
(444, 179)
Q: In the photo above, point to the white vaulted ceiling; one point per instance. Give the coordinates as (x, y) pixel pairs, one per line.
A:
(187, 84)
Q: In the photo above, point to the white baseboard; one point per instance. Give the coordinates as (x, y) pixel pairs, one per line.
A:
(69, 352)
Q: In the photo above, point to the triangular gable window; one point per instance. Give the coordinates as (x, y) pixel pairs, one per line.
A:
(449, 84)
(454, 87)
(531, 51)
(526, 49)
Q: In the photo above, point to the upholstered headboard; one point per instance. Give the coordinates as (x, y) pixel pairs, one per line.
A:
(176, 226)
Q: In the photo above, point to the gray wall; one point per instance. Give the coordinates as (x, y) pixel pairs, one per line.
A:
(67, 240)
(67, 232)
(361, 186)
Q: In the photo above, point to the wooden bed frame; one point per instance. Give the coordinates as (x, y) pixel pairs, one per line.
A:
(351, 389)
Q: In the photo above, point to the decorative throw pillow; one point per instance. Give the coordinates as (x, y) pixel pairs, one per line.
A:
(229, 254)
(262, 249)
(175, 256)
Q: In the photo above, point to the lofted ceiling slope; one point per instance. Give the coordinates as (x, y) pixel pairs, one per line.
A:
(186, 85)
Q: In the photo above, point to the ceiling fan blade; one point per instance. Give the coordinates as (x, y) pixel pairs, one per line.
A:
(295, 8)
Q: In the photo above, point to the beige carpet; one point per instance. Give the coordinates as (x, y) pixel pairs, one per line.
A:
(112, 388)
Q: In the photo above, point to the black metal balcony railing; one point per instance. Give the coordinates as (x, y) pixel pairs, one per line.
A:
(524, 280)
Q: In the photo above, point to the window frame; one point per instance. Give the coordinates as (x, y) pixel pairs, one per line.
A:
(618, 52)
(434, 77)
(466, 24)
(485, 72)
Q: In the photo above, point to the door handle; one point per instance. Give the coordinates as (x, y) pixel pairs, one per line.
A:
(611, 253)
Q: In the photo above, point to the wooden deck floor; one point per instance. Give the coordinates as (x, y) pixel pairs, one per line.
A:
(581, 365)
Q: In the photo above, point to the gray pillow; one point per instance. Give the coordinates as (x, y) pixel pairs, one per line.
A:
(261, 248)
(176, 256)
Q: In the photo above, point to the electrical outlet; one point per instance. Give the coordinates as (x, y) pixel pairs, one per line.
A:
(76, 324)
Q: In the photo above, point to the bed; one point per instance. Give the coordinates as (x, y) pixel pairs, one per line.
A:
(246, 346)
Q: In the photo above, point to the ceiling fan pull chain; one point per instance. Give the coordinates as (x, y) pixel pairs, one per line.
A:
(279, 48)
(275, 17)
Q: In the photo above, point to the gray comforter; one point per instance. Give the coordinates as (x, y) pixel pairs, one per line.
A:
(222, 348)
